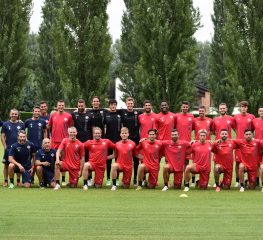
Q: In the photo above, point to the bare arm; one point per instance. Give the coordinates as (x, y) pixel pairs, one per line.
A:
(3, 140)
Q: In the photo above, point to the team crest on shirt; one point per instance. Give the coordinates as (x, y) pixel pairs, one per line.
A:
(228, 122)
(209, 148)
(249, 120)
(189, 119)
(101, 112)
(43, 156)
(208, 122)
(65, 119)
(254, 144)
(230, 145)
(104, 143)
(197, 123)
(87, 117)
(31, 125)
(172, 116)
(135, 112)
(152, 119)
(130, 145)
(39, 124)
(28, 147)
(18, 149)
(179, 147)
(162, 119)
(18, 127)
(52, 154)
(76, 146)
(118, 116)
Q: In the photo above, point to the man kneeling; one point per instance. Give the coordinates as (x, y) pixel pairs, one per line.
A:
(152, 153)
(72, 160)
(201, 153)
(45, 164)
(21, 158)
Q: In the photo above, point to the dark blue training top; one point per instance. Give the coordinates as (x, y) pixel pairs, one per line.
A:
(44, 156)
(35, 131)
(22, 153)
(10, 130)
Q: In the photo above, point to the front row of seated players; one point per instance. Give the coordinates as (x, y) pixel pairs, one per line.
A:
(70, 157)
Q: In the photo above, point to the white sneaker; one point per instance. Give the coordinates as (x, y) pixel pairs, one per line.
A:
(236, 184)
(90, 183)
(208, 185)
(186, 189)
(85, 187)
(214, 186)
(192, 184)
(108, 182)
(64, 184)
(57, 187)
(113, 188)
(262, 189)
(117, 182)
(242, 189)
(165, 188)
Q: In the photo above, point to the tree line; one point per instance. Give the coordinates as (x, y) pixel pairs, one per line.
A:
(157, 56)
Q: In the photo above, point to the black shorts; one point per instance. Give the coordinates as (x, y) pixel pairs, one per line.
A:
(48, 176)
(26, 176)
(5, 157)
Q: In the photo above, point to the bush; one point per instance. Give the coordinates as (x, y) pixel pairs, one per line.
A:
(25, 115)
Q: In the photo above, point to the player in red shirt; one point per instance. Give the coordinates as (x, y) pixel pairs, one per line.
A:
(202, 122)
(223, 150)
(243, 121)
(250, 151)
(98, 155)
(223, 121)
(124, 152)
(201, 154)
(165, 122)
(59, 123)
(72, 160)
(258, 124)
(184, 122)
(151, 159)
(146, 119)
(176, 152)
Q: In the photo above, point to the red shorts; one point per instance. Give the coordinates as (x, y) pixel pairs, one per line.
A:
(203, 176)
(127, 174)
(55, 145)
(99, 173)
(227, 179)
(252, 176)
(178, 177)
(73, 173)
(238, 155)
(153, 175)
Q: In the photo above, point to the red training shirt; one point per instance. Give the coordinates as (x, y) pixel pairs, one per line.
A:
(258, 127)
(165, 124)
(125, 151)
(184, 125)
(147, 122)
(242, 123)
(223, 122)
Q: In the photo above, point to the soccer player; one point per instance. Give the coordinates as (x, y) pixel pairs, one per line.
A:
(72, 160)
(202, 122)
(184, 122)
(146, 119)
(21, 158)
(36, 128)
(98, 155)
(258, 124)
(8, 137)
(44, 111)
(201, 154)
(97, 114)
(176, 152)
(130, 119)
(152, 149)
(82, 122)
(112, 123)
(59, 123)
(223, 150)
(124, 151)
(165, 122)
(223, 121)
(45, 164)
(249, 152)
(243, 121)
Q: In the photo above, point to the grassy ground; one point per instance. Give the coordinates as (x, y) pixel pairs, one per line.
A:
(129, 214)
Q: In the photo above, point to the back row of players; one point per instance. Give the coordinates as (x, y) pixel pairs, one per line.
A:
(138, 125)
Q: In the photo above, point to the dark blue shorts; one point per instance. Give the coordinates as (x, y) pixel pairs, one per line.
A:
(5, 157)
(26, 176)
(48, 176)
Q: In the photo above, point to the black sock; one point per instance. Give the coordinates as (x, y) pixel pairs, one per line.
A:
(63, 178)
(166, 184)
(242, 184)
(140, 183)
(193, 179)
(187, 184)
(237, 179)
(17, 180)
(257, 181)
(114, 182)
(12, 180)
(217, 184)
(6, 180)
(57, 182)
(85, 182)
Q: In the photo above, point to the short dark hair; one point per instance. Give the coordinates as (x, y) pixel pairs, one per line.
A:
(96, 97)
(146, 101)
(60, 100)
(36, 107)
(247, 130)
(174, 130)
(224, 130)
(112, 101)
(243, 103)
(164, 101)
(81, 101)
(21, 131)
(152, 130)
(185, 103)
(42, 102)
(203, 107)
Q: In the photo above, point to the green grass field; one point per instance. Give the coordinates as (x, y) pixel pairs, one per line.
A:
(129, 214)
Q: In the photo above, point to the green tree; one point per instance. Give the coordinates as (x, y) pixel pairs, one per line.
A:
(88, 43)
(244, 50)
(14, 71)
(163, 34)
(50, 40)
(219, 84)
